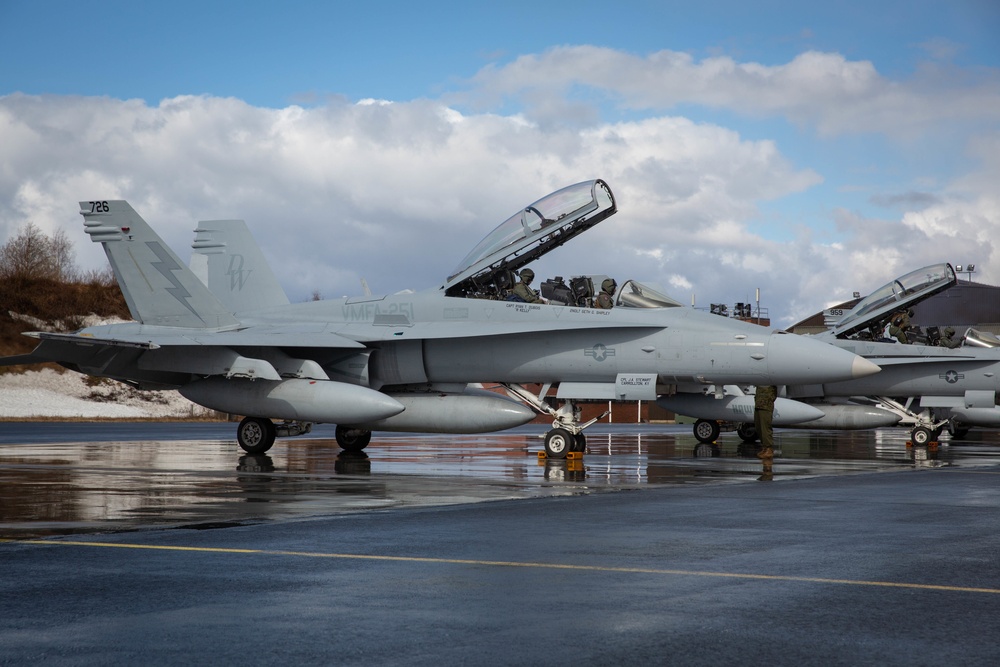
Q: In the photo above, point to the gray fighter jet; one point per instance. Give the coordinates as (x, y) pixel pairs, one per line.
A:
(923, 385)
(407, 362)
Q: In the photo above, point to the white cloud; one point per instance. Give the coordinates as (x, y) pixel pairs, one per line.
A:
(397, 192)
(821, 90)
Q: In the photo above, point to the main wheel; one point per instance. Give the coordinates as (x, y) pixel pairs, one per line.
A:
(747, 432)
(921, 435)
(558, 442)
(707, 431)
(255, 435)
(352, 439)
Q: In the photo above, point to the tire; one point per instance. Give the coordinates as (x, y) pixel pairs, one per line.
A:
(558, 442)
(747, 433)
(255, 435)
(580, 443)
(352, 439)
(959, 433)
(706, 450)
(921, 435)
(707, 431)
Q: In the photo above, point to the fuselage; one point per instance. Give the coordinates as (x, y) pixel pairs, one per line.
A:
(915, 370)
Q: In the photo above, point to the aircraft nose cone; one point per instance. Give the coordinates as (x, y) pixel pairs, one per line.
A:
(794, 359)
(863, 368)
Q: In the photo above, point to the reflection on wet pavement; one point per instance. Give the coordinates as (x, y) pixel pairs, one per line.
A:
(89, 477)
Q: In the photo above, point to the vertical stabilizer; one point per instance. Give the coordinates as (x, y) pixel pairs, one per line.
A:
(158, 288)
(229, 261)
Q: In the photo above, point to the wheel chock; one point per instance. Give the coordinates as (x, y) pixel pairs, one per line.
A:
(909, 443)
(569, 455)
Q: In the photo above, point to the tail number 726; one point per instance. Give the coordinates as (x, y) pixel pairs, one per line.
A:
(99, 207)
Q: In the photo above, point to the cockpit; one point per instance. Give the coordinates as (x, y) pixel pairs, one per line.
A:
(490, 270)
(581, 291)
(875, 310)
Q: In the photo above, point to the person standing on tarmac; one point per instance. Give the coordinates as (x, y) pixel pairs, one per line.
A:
(523, 292)
(606, 298)
(763, 412)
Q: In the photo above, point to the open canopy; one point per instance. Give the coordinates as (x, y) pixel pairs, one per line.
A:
(899, 294)
(530, 233)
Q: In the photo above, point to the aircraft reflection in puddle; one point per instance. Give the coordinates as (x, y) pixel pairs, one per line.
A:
(68, 487)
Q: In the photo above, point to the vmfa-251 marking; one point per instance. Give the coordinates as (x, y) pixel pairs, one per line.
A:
(224, 334)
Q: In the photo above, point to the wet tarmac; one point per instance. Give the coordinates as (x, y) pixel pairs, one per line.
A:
(71, 478)
(162, 544)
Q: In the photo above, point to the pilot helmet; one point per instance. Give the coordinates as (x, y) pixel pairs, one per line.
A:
(948, 331)
(609, 285)
(527, 275)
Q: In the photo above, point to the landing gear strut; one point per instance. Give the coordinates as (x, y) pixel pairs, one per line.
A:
(566, 434)
(926, 428)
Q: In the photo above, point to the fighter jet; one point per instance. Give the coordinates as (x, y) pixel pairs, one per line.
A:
(411, 361)
(923, 385)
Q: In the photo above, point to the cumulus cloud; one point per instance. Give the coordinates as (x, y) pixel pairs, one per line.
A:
(397, 192)
(822, 90)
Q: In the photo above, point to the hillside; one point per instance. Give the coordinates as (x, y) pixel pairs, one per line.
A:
(44, 304)
(49, 391)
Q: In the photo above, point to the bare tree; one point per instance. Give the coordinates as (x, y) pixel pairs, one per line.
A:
(63, 257)
(32, 254)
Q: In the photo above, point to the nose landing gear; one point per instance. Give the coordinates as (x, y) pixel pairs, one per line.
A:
(566, 434)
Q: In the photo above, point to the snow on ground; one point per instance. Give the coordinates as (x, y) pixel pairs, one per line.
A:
(48, 393)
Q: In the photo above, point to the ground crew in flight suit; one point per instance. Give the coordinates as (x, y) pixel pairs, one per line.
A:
(763, 412)
(522, 290)
(606, 298)
(947, 340)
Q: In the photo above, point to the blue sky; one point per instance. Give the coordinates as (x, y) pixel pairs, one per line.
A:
(809, 149)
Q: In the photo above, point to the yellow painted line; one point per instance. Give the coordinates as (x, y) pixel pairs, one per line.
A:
(503, 563)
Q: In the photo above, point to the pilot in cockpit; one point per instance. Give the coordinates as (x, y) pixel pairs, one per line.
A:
(522, 290)
(948, 339)
(606, 298)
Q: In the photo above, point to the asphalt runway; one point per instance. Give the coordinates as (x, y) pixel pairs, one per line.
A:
(162, 544)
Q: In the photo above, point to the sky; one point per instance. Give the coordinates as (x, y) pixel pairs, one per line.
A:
(806, 151)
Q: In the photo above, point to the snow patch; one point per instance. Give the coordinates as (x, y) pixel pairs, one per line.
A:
(47, 393)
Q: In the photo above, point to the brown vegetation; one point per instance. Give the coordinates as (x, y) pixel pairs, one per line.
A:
(40, 288)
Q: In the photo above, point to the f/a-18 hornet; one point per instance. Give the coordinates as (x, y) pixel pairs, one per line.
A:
(407, 362)
(923, 385)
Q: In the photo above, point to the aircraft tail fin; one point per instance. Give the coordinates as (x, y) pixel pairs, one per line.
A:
(228, 260)
(158, 288)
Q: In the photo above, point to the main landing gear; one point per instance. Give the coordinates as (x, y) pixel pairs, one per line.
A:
(707, 430)
(256, 435)
(566, 434)
(352, 439)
